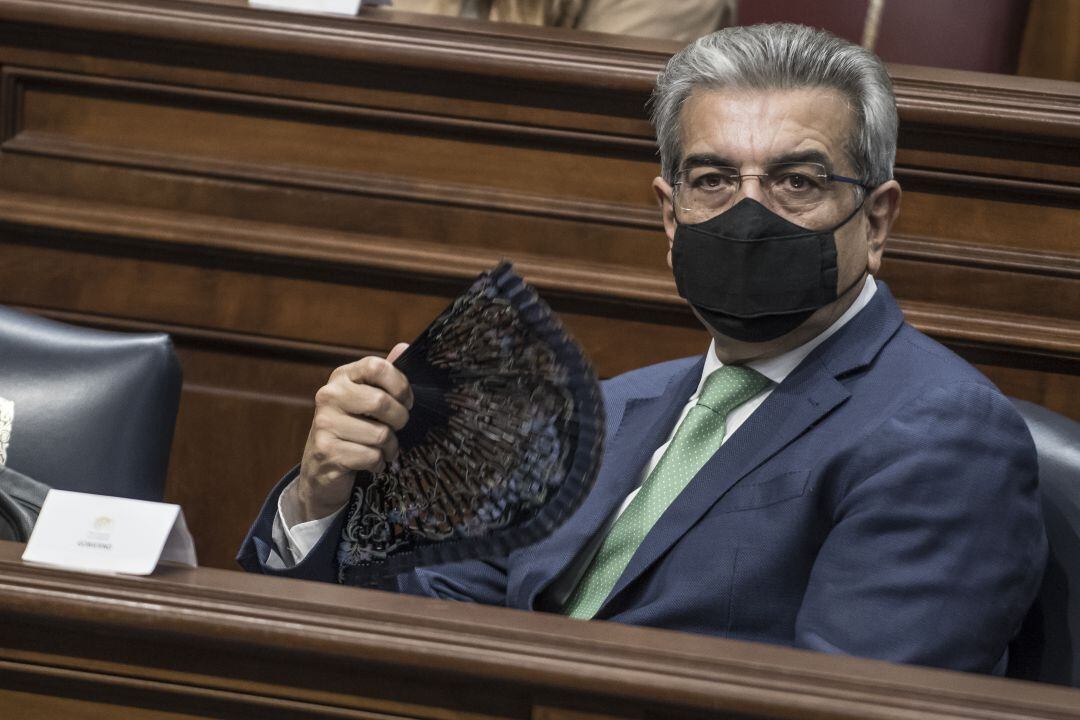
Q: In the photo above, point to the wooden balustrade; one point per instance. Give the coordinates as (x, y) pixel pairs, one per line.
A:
(207, 643)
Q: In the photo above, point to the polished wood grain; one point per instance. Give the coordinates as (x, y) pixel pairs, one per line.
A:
(284, 193)
(1051, 46)
(205, 643)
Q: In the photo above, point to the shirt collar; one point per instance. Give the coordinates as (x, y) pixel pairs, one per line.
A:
(778, 367)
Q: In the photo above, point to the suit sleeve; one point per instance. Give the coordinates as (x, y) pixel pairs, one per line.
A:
(259, 548)
(937, 546)
(476, 581)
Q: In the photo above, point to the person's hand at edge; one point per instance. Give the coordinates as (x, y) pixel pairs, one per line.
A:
(357, 414)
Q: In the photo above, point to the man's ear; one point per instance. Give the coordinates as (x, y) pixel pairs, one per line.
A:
(883, 206)
(667, 210)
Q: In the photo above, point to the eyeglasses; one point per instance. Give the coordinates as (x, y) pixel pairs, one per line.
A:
(708, 190)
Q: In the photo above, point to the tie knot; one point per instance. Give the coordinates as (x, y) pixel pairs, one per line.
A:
(731, 386)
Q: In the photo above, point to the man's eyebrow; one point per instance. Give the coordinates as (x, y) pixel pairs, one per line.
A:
(806, 156)
(705, 160)
(713, 160)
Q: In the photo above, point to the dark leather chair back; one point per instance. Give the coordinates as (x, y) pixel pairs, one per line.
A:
(1048, 646)
(94, 410)
(20, 503)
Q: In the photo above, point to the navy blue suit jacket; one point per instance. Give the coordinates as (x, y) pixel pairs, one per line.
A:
(881, 502)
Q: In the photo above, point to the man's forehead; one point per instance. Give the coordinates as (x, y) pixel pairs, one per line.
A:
(750, 125)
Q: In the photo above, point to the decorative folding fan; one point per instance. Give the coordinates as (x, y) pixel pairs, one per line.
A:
(502, 444)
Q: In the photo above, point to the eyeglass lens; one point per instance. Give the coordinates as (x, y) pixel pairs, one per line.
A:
(791, 187)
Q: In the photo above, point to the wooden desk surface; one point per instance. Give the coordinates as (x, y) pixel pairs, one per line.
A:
(189, 643)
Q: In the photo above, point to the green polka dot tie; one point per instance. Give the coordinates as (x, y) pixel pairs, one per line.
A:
(698, 437)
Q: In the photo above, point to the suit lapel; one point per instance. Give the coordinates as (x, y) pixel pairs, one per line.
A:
(793, 407)
(809, 393)
(647, 418)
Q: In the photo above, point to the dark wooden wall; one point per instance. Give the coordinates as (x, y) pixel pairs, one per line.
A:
(284, 193)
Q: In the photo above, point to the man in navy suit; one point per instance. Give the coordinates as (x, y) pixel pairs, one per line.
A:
(848, 486)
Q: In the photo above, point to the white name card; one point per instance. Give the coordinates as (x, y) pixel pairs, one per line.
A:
(97, 533)
(338, 7)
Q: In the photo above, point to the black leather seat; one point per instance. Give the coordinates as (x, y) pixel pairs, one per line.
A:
(1048, 647)
(20, 502)
(94, 411)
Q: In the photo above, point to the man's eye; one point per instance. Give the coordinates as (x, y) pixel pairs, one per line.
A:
(712, 181)
(795, 182)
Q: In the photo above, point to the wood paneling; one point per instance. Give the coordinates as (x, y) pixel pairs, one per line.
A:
(1051, 47)
(284, 193)
(200, 643)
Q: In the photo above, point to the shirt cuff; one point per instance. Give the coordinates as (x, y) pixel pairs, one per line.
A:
(301, 537)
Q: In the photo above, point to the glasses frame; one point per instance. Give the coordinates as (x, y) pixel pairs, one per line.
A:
(826, 175)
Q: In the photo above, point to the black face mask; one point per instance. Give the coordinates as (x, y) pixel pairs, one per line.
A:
(754, 276)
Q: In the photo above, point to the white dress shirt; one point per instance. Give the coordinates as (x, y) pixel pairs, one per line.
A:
(301, 537)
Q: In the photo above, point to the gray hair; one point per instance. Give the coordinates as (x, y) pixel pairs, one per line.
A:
(780, 57)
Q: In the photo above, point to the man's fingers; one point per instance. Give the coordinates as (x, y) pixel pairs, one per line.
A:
(356, 415)
(379, 373)
(361, 457)
(394, 354)
(340, 443)
(361, 431)
(364, 401)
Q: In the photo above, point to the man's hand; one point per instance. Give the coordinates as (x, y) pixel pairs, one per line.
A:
(356, 415)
